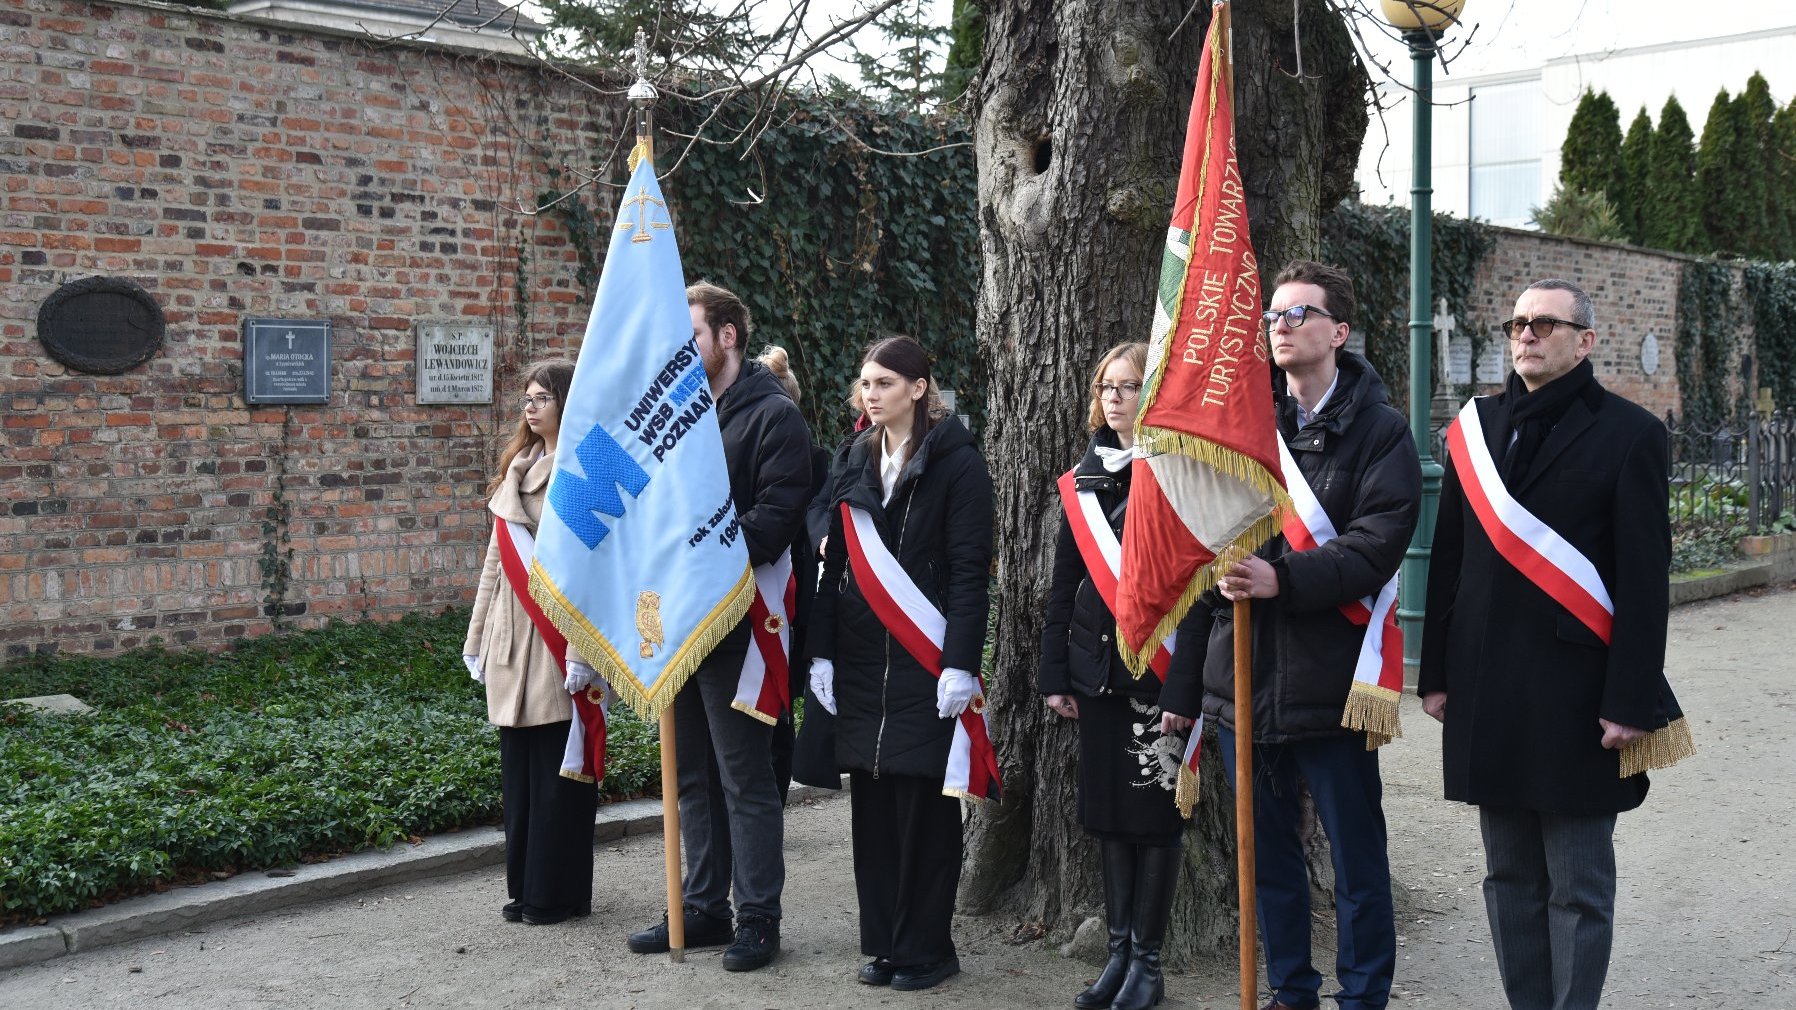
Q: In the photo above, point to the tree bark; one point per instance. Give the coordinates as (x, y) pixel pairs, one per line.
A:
(1080, 113)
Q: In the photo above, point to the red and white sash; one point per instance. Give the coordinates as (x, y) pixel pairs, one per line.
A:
(920, 628)
(1103, 563)
(1372, 698)
(1547, 559)
(584, 758)
(764, 690)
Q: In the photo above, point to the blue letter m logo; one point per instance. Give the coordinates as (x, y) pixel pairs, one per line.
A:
(578, 500)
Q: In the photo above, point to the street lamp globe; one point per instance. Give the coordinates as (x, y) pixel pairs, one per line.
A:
(1421, 15)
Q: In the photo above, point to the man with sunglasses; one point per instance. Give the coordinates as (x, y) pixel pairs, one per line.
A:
(1543, 650)
(1352, 449)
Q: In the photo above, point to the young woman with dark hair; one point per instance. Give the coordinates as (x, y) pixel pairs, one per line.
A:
(918, 494)
(548, 818)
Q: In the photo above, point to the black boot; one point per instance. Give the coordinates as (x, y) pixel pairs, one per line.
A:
(1119, 904)
(1156, 874)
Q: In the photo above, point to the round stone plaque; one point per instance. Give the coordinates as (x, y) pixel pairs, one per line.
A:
(100, 325)
(1649, 354)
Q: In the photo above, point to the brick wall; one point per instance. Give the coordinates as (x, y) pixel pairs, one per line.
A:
(1635, 291)
(235, 168)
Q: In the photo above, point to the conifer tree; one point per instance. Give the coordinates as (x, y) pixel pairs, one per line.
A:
(1720, 192)
(908, 74)
(1673, 221)
(1753, 112)
(1781, 180)
(968, 37)
(1636, 162)
(1590, 160)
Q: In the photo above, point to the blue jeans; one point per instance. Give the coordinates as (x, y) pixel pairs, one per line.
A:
(1343, 780)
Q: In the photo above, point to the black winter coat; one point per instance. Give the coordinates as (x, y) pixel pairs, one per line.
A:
(1078, 642)
(1525, 680)
(767, 449)
(1358, 457)
(939, 527)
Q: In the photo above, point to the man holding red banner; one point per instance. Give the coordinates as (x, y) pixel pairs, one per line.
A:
(1319, 635)
(1547, 606)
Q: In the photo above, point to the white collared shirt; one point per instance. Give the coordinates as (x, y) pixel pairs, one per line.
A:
(890, 464)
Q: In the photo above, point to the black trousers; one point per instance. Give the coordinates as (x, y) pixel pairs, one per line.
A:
(1549, 889)
(907, 849)
(548, 821)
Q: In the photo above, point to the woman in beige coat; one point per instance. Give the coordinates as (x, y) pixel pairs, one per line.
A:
(548, 818)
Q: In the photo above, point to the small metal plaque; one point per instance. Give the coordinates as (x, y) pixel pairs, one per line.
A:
(455, 363)
(1649, 354)
(100, 325)
(286, 360)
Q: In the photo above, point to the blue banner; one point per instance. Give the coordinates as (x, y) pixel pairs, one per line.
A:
(639, 559)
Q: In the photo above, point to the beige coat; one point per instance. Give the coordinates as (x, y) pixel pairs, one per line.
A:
(523, 683)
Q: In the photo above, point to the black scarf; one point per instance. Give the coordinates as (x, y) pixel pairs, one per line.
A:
(1534, 415)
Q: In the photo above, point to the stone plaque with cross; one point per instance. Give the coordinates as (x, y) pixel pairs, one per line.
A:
(286, 360)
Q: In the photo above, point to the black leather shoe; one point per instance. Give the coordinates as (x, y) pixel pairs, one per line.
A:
(701, 931)
(877, 972)
(534, 916)
(757, 941)
(925, 976)
(512, 911)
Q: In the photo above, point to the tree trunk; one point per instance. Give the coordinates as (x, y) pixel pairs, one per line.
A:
(1080, 119)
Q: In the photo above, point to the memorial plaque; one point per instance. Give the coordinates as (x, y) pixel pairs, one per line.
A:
(1493, 361)
(1649, 354)
(286, 360)
(100, 325)
(455, 363)
(1459, 359)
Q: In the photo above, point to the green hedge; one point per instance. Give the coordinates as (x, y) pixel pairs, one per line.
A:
(283, 749)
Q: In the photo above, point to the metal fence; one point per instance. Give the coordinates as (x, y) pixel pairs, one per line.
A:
(1737, 478)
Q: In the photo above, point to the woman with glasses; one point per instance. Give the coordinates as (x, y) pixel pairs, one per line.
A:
(1128, 764)
(548, 818)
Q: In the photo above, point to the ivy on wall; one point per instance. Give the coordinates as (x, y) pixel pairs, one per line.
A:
(831, 243)
(1707, 339)
(1372, 242)
(1770, 290)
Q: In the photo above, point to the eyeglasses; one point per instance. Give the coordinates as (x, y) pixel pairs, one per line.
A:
(1294, 316)
(1543, 326)
(538, 401)
(1124, 391)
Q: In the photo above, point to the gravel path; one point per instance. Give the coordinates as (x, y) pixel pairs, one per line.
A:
(1704, 917)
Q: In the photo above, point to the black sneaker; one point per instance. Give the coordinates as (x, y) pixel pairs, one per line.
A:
(925, 976)
(757, 940)
(702, 930)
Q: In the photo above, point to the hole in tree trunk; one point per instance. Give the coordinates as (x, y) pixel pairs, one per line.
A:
(1044, 154)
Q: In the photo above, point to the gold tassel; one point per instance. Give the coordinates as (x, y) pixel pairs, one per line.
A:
(599, 654)
(1661, 748)
(1372, 710)
(1185, 794)
(753, 713)
(577, 777)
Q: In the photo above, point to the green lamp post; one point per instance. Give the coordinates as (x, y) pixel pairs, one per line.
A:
(1421, 22)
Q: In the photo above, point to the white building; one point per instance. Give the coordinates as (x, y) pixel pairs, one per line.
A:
(1497, 135)
(497, 25)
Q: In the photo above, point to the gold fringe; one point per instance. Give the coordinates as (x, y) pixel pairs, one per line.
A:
(1186, 793)
(1372, 710)
(962, 794)
(645, 148)
(599, 654)
(577, 777)
(1661, 748)
(749, 710)
(1248, 541)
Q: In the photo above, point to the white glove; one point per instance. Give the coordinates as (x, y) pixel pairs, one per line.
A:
(954, 691)
(823, 684)
(579, 676)
(475, 669)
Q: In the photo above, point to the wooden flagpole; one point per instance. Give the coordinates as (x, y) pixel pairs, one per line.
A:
(1244, 850)
(642, 97)
(670, 837)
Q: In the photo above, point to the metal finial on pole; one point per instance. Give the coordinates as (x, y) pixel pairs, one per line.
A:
(643, 94)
